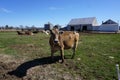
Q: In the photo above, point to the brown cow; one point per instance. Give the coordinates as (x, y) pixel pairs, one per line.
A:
(24, 33)
(21, 33)
(63, 40)
(28, 33)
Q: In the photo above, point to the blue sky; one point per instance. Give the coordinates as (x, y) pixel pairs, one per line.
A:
(39, 12)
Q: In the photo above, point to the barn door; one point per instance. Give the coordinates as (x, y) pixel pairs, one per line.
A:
(84, 28)
(72, 28)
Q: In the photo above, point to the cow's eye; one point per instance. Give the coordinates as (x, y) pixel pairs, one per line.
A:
(61, 32)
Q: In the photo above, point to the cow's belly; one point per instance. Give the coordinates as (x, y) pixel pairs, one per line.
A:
(68, 45)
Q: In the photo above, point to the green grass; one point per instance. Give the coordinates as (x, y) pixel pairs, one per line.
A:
(94, 53)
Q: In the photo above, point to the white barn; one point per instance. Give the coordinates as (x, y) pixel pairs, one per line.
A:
(82, 24)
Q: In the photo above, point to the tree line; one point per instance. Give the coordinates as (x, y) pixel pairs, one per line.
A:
(20, 27)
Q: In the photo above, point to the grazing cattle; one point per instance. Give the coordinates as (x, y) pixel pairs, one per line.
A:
(63, 40)
(35, 32)
(28, 33)
(21, 33)
(24, 33)
(46, 32)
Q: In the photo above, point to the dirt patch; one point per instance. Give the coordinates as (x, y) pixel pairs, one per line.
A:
(12, 68)
(8, 63)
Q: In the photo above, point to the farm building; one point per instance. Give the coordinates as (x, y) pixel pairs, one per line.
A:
(82, 24)
(90, 24)
(48, 26)
(109, 26)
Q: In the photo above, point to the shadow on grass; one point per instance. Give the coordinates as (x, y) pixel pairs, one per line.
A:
(21, 70)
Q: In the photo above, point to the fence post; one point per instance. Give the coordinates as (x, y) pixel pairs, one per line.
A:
(118, 72)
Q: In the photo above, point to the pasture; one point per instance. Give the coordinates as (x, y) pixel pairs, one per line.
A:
(24, 57)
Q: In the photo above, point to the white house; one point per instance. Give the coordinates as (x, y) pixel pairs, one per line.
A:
(109, 26)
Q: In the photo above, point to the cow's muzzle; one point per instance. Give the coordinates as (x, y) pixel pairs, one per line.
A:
(55, 41)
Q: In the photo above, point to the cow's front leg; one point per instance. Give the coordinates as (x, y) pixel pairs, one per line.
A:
(52, 53)
(62, 54)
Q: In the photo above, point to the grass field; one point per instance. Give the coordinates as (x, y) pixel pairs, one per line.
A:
(96, 57)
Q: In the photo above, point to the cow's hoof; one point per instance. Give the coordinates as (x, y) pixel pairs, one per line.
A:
(61, 61)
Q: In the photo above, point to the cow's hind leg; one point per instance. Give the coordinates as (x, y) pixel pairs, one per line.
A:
(74, 49)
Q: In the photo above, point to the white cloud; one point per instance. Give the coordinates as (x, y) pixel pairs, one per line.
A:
(55, 8)
(5, 10)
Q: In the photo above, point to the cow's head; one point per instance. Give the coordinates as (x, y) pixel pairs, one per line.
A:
(55, 35)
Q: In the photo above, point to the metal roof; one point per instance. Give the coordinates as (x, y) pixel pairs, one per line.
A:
(79, 21)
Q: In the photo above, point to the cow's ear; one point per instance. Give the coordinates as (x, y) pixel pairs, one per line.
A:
(61, 32)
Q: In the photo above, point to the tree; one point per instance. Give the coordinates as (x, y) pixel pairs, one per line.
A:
(6, 27)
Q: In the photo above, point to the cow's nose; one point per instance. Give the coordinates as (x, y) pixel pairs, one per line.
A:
(55, 41)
